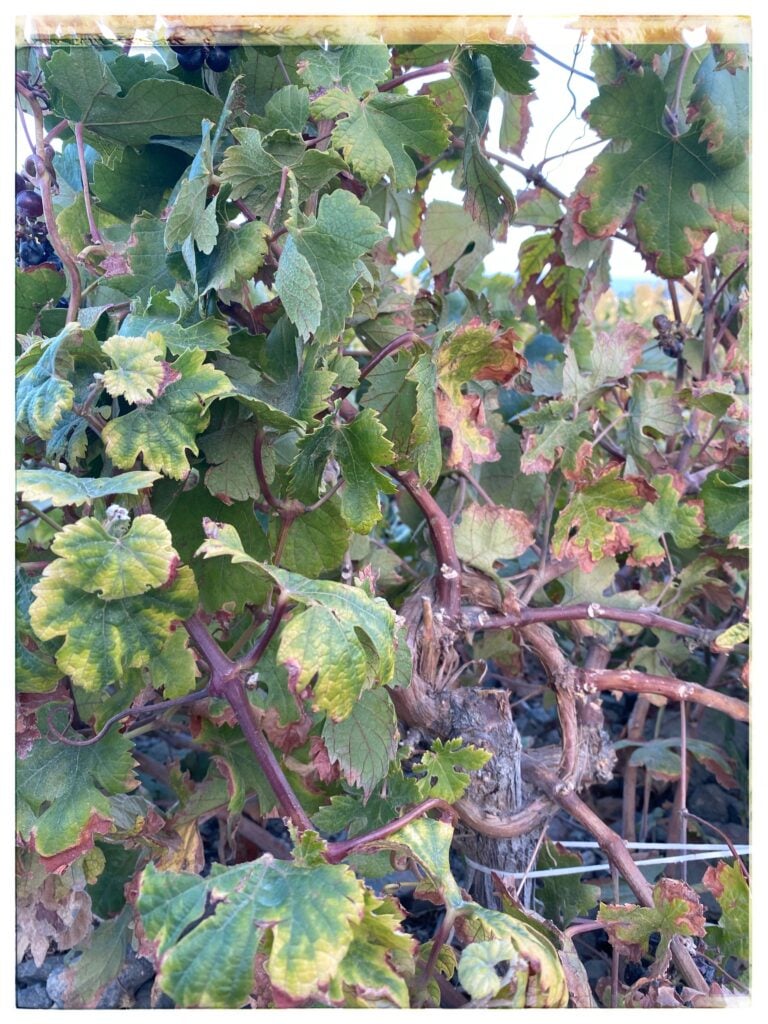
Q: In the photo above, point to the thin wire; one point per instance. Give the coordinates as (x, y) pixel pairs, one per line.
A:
(580, 845)
(582, 869)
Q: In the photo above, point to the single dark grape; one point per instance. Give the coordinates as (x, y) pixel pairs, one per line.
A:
(63, 303)
(218, 59)
(30, 166)
(29, 204)
(192, 57)
(32, 253)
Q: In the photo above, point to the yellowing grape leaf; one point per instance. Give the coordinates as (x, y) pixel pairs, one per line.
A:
(367, 969)
(730, 888)
(162, 432)
(104, 639)
(116, 563)
(487, 968)
(44, 393)
(60, 488)
(444, 770)
(351, 608)
(64, 791)
(309, 912)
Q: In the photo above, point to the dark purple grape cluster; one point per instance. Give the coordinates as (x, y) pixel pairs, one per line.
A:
(192, 57)
(32, 244)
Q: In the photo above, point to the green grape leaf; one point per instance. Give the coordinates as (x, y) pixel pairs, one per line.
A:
(84, 982)
(104, 639)
(358, 447)
(564, 897)
(189, 216)
(141, 373)
(221, 585)
(229, 453)
(671, 225)
(297, 286)
(35, 288)
(309, 912)
(316, 542)
(255, 174)
(676, 910)
(561, 440)
(235, 761)
(487, 534)
(726, 507)
(357, 68)
(365, 742)
(332, 244)
(719, 107)
(151, 107)
(448, 232)
(485, 968)
(116, 565)
(444, 770)
(174, 668)
(288, 108)
(237, 257)
(488, 198)
(513, 73)
(283, 397)
(140, 266)
(162, 432)
(60, 488)
(79, 77)
(375, 133)
(654, 412)
(425, 436)
(350, 605)
(136, 180)
(587, 528)
(65, 791)
(669, 514)
(730, 888)
(44, 393)
(367, 969)
(428, 842)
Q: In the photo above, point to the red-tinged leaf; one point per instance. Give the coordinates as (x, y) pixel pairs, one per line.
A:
(472, 441)
(667, 515)
(649, 183)
(64, 793)
(587, 528)
(716, 761)
(487, 534)
(676, 910)
(554, 436)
